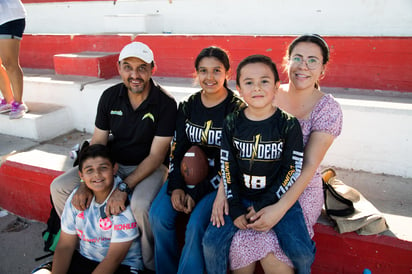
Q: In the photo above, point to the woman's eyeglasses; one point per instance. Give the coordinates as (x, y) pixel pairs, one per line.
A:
(311, 62)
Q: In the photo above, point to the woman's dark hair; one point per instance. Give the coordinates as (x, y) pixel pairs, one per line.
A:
(94, 151)
(257, 58)
(311, 38)
(216, 52)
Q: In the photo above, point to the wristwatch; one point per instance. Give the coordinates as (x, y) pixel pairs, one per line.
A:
(123, 187)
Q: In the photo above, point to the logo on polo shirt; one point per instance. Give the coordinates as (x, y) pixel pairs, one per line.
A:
(116, 112)
(148, 115)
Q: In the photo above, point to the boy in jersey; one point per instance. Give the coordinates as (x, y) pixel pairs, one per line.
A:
(261, 157)
(109, 243)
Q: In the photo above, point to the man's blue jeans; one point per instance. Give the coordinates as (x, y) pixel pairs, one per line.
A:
(162, 217)
(291, 231)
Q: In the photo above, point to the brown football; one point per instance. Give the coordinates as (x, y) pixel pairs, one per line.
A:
(194, 166)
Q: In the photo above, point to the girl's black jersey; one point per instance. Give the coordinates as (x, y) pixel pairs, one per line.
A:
(260, 160)
(202, 126)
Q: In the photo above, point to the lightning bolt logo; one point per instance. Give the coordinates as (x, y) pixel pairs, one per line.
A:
(254, 150)
(149, 115)
(205, 132)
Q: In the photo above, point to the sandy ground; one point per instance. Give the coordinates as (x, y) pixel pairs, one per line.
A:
(21, 243)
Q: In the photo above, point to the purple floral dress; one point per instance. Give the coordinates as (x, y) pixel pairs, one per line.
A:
(249, 245)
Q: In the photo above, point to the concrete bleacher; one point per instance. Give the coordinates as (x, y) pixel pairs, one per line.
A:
(375, 142)
(43, 122)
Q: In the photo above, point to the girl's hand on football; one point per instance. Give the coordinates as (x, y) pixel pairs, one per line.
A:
(178, 200)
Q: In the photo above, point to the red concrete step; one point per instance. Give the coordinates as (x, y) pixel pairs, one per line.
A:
(25, 190)
(352, 253)
(87, 63)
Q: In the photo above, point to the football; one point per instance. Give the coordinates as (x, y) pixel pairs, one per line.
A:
(194, 166)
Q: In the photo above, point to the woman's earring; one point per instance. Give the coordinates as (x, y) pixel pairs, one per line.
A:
(322, 75)
(81, 181)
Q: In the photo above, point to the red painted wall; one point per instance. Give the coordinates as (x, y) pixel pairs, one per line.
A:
(383, 63)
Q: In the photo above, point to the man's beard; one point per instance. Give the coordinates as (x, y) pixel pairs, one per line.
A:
(137, 90)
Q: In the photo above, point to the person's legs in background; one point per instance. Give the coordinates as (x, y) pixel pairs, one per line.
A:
(5, 88)
(9, 54)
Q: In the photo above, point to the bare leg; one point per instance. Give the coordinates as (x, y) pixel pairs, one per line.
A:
(9, 54)
(249, 269)
(272, 265)
(5, 85)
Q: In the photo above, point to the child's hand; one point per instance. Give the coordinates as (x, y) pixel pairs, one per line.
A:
(189, 204)
(82, 198)
(220, 207)
(266, 218)
(251, 213)
(178, 200)
(241, 222)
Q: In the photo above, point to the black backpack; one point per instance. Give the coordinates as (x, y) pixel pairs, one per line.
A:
(52, 233)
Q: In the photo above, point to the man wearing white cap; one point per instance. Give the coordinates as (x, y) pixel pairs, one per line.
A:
(141, 117)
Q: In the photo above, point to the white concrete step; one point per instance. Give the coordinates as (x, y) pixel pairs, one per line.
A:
(42, 122)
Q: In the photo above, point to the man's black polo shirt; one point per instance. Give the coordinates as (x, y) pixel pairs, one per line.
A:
(133, 130)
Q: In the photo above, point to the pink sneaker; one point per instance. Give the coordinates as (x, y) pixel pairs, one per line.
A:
(4, 107)
(18, 110)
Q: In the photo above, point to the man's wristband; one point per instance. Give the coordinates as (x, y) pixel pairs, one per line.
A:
(123, 187)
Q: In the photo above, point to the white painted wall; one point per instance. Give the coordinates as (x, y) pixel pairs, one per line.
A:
(260, 17)
(376, 137)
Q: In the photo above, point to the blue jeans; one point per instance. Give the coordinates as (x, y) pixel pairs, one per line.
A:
(292, 235)
(162, 218)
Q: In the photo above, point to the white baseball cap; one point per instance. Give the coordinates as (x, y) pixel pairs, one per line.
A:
(138, 50)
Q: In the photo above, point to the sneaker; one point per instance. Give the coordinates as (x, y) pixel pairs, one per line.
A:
(18, 110)
(4, 107)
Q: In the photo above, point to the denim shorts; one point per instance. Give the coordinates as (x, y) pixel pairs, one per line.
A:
(13, 29)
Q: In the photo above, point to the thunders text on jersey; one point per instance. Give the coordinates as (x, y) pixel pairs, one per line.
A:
(260, 151)
(204, 134)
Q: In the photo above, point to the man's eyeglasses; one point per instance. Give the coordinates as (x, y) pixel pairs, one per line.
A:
(311, 63)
